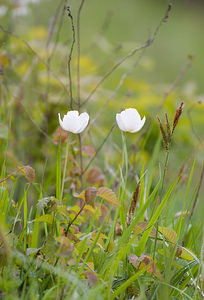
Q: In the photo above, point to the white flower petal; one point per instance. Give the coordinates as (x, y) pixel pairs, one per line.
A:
(74, 122)
(132, 119)
(72, 114)
(70, 122)
(83, 120)
(139, 125)
(120, 122)
(61, 122)
(129, 120)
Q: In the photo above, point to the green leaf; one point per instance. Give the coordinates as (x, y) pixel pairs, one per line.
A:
(45, 218)
(169, 233)
(187, 254)
(127, 283)
(144, 238)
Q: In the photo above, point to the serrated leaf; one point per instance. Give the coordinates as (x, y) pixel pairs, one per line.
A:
(88, 195)
(169, 233)
(45, 218)
(187, 254)
(142, 226)
(49, 203)
(108, 195)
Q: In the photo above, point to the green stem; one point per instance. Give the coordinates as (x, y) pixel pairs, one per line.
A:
(65, 168)
(124, 179)
(164, 175)
(160, 198)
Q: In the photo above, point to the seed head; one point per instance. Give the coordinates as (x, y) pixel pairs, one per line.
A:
(165, 139)
(177, 116)
(168, 129)
(133, 203)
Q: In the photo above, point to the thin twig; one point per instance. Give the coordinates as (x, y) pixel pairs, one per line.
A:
(59, 29)
(53, 21)
(76, 216)
(99, 148)
(122, 60)
(12, 174)
(78, 52)
(78, 87)
(70, 56)
(197, 192)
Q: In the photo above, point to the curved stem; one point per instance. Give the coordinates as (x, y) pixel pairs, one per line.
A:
(66, 232)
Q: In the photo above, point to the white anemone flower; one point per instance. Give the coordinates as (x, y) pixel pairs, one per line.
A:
(74, 122)
(129, 120)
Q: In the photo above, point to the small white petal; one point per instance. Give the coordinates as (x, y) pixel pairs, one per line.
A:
(60, 121)
(83, 120)
(129, 120)
(139, 125)
(74, 122)
(120, 122)
(132, 119)
(72, 114)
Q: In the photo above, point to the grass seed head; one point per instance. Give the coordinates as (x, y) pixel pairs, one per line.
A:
(133, 203)
(165, 139)
(177, 116)
(168, 128)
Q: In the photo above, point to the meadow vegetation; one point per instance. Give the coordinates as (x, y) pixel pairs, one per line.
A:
(97, 212)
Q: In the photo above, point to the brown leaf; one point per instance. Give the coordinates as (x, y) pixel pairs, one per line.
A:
(142, 226)
(95, 176)
(89, 150)
(108, 195)
(88, 195)
(28, 172)
(64, 135)
(144, 261)
(92, 278)
(134, 260)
